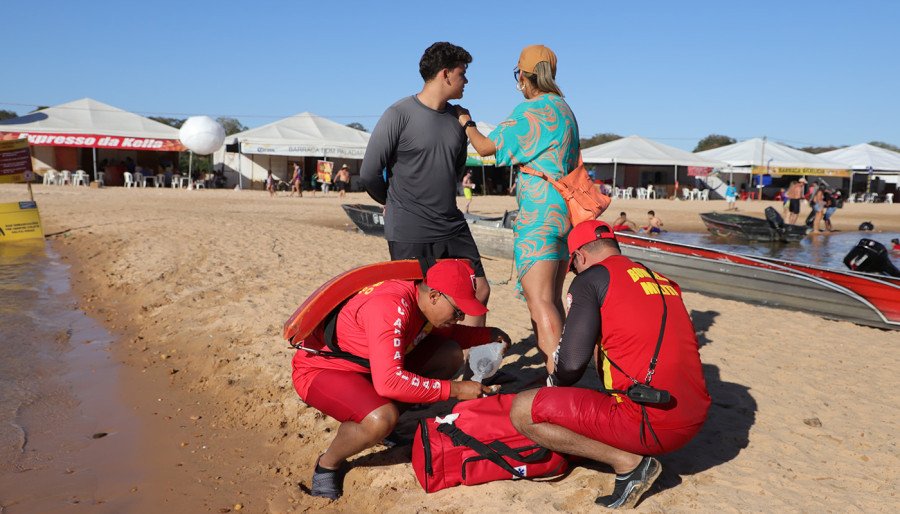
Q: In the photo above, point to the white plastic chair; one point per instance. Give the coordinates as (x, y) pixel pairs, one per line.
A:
(704, 195)
(199, 184)
(176, 181)
(695, 194)
(628, 192)
(49, 177)
(160, 180)
(80, 177)
(100, 175)
(889, 198)
(64, 177)
(686, 193)
(129, 180)
(651, 192)
(641, 193)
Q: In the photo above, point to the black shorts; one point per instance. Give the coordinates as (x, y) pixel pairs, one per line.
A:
(460, 246)
(340, 185)
(794, 205)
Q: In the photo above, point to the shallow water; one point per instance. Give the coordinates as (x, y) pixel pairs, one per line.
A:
(67, 439)
(827, 250)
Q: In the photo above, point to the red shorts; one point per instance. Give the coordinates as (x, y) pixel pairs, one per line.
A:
(597, 416)
(350, 395)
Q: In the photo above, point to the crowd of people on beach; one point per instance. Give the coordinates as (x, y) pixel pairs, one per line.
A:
(401, 342)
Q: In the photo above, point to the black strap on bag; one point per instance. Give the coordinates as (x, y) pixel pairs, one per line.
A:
(645, 417)
(493, 452)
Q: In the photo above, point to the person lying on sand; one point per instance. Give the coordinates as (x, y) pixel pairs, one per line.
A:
(623, 224)
(655, 398)
(408, 333)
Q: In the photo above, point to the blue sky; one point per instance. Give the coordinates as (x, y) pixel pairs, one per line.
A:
(800, 72)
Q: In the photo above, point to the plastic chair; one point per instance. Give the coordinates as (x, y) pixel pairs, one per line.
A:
(49, 177)
(686, 193)
(641, 193)
(704, 195)
(695, 194)
(889, 198)
(628, 192)
(100, 175)
(129, 180)
(80, 177)
(651, 192)
(64, 177)
(160, 180)
(199, 184)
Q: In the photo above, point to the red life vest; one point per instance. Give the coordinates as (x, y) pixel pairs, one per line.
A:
(630, 321)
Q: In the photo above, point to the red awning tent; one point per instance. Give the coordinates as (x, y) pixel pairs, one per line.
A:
(57, 133)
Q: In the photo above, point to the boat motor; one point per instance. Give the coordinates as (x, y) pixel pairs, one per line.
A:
(871, 257)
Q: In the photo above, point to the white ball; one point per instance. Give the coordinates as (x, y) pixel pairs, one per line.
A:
(202, 135)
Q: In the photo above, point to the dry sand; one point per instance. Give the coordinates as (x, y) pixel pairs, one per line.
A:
(197, 284)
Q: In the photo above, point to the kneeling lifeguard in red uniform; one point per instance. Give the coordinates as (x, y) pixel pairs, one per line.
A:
(653, 398)
(406, 331)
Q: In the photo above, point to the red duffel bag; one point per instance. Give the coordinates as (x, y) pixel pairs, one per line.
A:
(477, 443)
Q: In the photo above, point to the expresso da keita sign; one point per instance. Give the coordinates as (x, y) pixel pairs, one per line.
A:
(97, 141)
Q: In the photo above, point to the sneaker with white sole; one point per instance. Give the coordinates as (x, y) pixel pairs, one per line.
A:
(631, 486)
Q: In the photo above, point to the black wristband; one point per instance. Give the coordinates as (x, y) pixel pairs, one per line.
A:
(469, 123)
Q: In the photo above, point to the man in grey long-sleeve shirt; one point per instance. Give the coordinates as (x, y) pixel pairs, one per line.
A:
(420, 142)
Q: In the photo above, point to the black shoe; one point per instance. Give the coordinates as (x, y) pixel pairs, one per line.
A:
(631, 486)
(328, 483)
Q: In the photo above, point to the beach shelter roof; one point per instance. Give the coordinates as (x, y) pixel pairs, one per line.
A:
(863, 157)
(472, 157)
(303, 135)
(639, 150)
(757, 152)
(93, 120)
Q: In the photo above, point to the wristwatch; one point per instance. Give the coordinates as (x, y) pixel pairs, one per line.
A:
(469, 123)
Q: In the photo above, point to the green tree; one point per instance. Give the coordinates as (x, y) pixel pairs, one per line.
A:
(714, 141)
(357, 126)
(598, 139)
(819, 149)
(5, 115)
(886, 146)
(172, 122)
(231, 125)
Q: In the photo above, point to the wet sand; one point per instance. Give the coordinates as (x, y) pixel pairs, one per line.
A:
(195, 285)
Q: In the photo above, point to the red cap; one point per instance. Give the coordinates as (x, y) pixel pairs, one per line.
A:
(456, 279)
(584, 233)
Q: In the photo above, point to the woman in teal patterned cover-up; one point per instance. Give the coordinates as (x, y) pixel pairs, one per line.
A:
(542, 134)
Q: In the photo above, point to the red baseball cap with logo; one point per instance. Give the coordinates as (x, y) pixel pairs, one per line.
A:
(456, 279)
(587, 232)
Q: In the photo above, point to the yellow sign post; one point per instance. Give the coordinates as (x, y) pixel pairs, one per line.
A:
(19, 220)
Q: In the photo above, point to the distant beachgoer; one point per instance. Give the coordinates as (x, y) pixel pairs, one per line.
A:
(654, 224)
(314, 182)
(468, 186)
(818, 204)
(342, 180)
(420, 139)
(270, 184)
(297, 181)
(623, 224)
(795, 193)
(730, 196)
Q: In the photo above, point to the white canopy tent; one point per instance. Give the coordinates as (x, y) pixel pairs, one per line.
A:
(743, 156)
(301, 135)
(642, 151)
(87, 123)
(868, 159)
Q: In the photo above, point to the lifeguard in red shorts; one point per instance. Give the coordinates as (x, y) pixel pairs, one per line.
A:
(408, 333)
(615, 313)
